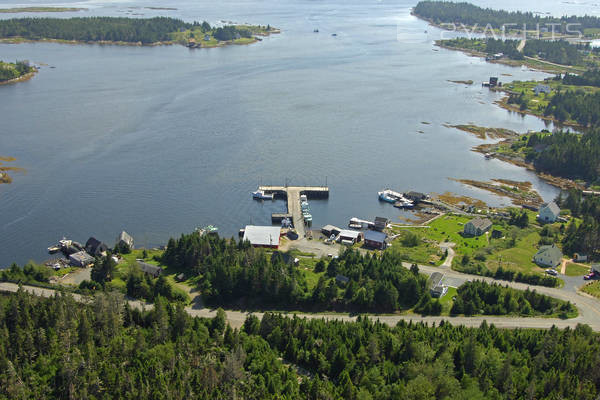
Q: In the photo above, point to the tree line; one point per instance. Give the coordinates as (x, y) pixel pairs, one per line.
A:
(582, 236)
(566, 154)
(54, 348)
(117, 29)
(468, 14)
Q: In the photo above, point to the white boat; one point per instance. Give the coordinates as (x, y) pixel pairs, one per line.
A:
(303, 197)
(260, 195)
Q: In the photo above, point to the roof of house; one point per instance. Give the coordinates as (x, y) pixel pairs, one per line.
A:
(125, 237)
(287, 259)
(330, 228)
(94, 246)
(541, 87)
(262, 235)
(480, 223)
(81, 257)
(550, 251)
(350, 233)
(375, 236)
(436, 279)
(342, 278)
(149, 268)
(551, 207)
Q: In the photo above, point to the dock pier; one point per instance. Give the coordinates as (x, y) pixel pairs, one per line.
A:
(292, 196)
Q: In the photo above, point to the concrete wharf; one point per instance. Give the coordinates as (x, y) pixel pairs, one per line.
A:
(292, 196)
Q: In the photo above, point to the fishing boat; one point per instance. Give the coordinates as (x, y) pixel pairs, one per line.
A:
(303, 198)
(304, 206)
(207, 230)
(404, 203)
(260, 195)
(54, 249)
(307, 218)
(383, 196)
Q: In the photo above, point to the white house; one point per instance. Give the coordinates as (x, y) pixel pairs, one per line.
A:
(549, 212)
(548, 256)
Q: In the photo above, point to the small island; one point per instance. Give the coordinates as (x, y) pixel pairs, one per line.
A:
(129, 31)
(15, 72)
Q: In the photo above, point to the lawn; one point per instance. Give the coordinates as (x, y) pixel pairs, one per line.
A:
(424, 253)
(573, 269)
(449, 229)
(592, 288)
(447, 301)
(518, 258)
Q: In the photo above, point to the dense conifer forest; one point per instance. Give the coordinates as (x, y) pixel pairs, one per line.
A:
(468, 14)
(55, 348)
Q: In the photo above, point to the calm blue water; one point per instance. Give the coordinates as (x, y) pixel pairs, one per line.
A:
(159, 140)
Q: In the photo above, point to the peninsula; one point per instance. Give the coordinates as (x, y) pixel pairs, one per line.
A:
(129, 31)
(15, 72)
(16, 10)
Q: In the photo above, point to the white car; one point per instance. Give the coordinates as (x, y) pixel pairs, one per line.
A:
(552, 272)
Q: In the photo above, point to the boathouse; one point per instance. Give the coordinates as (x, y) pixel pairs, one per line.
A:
(375, 239)
(380, 223)
(329, 230)
(81, 259)
(262, 236)
(348, 236)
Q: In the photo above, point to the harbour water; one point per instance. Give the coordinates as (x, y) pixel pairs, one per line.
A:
(159, 140)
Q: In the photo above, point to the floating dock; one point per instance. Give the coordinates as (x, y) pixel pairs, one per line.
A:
(292, 196)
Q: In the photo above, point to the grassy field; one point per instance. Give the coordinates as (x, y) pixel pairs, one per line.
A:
(518, 258)
(129, 260)
(197, 35)
(576, 269)
(592, 288)
(447, 301)
(449, 228)
(537, 104)
(424, 253)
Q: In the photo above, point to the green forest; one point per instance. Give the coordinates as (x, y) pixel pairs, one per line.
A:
(468, 14)
(236, 272)
(114, 29)
(15, 70)
(55, 348)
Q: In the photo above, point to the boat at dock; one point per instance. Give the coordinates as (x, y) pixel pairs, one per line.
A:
(405, 203)
(383, 196)
(395, 198)
(260, 195)
(207, 230)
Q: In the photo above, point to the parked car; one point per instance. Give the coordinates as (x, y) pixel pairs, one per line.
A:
(589, 276)
(552, 272)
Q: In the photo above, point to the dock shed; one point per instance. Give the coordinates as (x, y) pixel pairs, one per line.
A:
(150, 269)
(350, 236)
(81, 259)
(375, 239)
(380, 223)
(329, 230)
(262, 236)
(415, 197)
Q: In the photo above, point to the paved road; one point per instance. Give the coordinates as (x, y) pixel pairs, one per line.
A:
(589, 308)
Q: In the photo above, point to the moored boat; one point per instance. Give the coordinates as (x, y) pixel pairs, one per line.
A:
(385, 197)
(260, 195)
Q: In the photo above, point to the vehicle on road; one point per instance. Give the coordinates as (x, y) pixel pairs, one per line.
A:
(552, 272)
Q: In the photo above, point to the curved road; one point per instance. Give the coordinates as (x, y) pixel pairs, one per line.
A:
(589, 308)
